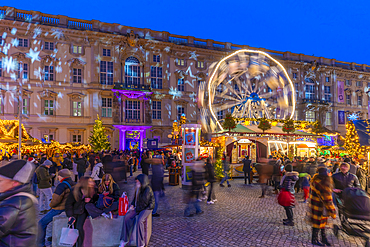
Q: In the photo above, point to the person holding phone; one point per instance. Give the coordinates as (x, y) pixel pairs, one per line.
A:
(80, 195)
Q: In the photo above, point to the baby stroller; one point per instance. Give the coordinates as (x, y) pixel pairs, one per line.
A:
(354, 213)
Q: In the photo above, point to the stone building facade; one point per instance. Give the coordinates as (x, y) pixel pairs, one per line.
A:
(139, 80)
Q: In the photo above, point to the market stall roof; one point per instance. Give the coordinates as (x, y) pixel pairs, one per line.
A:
(253, 129)
(362, 128)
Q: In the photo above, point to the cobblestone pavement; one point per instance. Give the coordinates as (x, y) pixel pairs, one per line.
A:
(238, 218)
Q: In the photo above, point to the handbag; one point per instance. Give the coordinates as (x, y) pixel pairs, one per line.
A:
(68, 237)
(285, 198)
(104, 201)
(123, 205)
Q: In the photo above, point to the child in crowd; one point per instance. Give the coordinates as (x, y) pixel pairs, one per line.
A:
(305, 185)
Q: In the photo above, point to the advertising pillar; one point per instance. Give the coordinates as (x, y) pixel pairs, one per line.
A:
(190, 149)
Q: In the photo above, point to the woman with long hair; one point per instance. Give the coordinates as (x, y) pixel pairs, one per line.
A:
(82, 194)
(321, 200)
(97, 169)
(107, 199)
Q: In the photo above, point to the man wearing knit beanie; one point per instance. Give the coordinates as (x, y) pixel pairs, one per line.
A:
(44, 179)
(17, 205)
(57, 203)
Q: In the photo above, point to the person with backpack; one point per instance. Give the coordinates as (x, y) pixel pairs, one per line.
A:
(57, 203)
(98, 171)
(67, 163)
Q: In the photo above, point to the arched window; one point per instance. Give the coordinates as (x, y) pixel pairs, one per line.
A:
(132, 71)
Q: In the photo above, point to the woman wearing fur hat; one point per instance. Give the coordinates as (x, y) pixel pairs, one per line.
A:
(18, 225)
(287, 183)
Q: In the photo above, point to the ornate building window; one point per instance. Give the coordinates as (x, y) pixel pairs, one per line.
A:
(348, 83)
(310, 116)
(49, 46)
(106, 52)
(310, 92)
(157, 110)
(22, 70)
(23, 42)
(76, 49)
(348, 99)
(77, 104)
(181, 84)
(328, 119)
(180, 61)
(327, 79)
(48, 134)
(180, 111)
(132, 110)
(49, 73)
(76, 138)
(132, 71)
(200, 64)
(220, 115)
(327, 92)
(26, 102)
(48, 107)
(106, 107)
(77, 75)
(156, 58)
(106, 73)
(156, 77)
(294, 75)
(358, 83)
(359, 100)
(76, 135)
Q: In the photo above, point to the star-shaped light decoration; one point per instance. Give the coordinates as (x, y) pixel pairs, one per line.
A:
(193, 55)
(353, 116)
(57, 33)
(9, 64)
(34, 55)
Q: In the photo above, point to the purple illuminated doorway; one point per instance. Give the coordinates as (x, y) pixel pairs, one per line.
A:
(131, 137)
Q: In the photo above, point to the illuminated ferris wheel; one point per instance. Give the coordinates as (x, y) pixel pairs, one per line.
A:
(247, 84)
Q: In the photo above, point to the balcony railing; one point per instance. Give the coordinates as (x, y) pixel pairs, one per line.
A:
(316, 101)
(126, 86)
(129, 120)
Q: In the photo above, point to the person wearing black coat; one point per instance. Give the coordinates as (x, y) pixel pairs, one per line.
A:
(18, 218)
(288, 182)
(144, 165)
(81, 194)
(81, 166)
(211, 178)
(247, 169)
(141, 206)
(157, 185)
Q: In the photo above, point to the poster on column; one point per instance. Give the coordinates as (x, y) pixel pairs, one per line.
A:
(189, 155)
(341, 117)
(340, 91)
(190, 137)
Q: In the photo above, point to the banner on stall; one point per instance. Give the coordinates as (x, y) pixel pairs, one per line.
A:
(340, 91)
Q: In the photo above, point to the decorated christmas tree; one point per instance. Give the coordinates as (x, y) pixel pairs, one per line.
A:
(351, 142)
(229, 122)
(317, 128)
(98, 139)
(264, 124)
(288, 126)
(218, 163)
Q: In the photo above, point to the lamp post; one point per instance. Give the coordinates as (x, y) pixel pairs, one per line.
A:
(20, 109)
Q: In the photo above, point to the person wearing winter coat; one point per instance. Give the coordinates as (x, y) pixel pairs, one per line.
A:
(67, 163)
(98, 167)
(107, 188)
(44, 178)
(80, 194)
(211, 178)
(18, 218)
(288, 182)
(81, 166)
(226, 166)
(144, 164)
(142, 205)
(320, 198)
(57, 203)
(157, 185)
(344, 179)
(197, 181)
(361, 175)
(247, 170)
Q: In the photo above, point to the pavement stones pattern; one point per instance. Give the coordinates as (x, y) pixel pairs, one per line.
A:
(238, 218)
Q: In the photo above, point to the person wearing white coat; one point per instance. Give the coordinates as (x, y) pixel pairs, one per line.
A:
(96, 171)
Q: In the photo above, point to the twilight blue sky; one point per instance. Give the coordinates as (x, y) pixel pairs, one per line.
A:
(332, 29)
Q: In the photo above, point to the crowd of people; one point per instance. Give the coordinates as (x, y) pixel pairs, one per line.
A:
(86, 185)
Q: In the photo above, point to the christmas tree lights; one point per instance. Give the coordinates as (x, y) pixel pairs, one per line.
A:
(98, 139)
